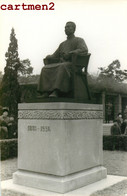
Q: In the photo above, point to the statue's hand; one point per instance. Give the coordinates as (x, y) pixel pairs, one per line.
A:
(78, 52)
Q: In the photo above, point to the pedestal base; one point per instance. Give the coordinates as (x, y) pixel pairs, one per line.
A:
(57, 183)
(59, 146)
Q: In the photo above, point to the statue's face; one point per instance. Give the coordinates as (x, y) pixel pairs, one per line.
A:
(69, 29)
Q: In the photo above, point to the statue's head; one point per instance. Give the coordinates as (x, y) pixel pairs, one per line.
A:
(70, 28)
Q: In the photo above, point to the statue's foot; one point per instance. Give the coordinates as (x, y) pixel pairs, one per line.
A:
(44, 95)
(54, 94)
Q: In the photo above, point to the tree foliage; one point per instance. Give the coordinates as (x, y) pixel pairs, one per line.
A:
(25, 69)
(113, 71)
(110, 79)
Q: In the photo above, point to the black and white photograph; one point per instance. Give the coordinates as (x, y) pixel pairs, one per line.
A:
(63, 97)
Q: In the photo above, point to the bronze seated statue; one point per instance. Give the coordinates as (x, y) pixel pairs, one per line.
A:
(62, 73)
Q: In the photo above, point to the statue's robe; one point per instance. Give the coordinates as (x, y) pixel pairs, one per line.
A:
(58, 75)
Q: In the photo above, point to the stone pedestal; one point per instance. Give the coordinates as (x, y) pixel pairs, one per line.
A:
(59, 146)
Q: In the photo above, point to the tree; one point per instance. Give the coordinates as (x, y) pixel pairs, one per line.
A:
(113, 72)
(1, 76)
(10, 89)
(25, 68)
(110, 79)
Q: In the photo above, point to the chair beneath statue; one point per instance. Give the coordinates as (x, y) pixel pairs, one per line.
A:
(79, 78)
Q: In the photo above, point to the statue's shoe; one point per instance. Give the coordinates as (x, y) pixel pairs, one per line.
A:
(54, 94)
(44, 95)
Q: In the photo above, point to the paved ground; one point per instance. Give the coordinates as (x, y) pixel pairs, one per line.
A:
(11, 193)
(114, 161)
(119, 189)
(8, 167)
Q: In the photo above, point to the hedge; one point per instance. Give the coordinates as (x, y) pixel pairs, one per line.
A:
(8, 148)
(116, 142)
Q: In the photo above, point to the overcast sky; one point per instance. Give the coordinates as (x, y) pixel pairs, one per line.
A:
(102, 24)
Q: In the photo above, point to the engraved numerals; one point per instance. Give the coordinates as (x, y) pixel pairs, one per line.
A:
(32, 128)
(41, 128)
(45, 128)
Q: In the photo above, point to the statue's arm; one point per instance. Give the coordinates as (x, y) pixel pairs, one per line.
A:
(54, 58)
(81, 47)
(56, 54)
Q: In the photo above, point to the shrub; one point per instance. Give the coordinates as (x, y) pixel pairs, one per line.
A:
(8, 148)
(115, 142)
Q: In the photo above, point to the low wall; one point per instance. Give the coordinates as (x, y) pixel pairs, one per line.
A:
(115, 142)
(106, 129)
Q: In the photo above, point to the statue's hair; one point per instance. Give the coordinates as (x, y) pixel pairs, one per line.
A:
(72, 24)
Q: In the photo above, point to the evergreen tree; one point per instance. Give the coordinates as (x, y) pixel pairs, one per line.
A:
(10, 89)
